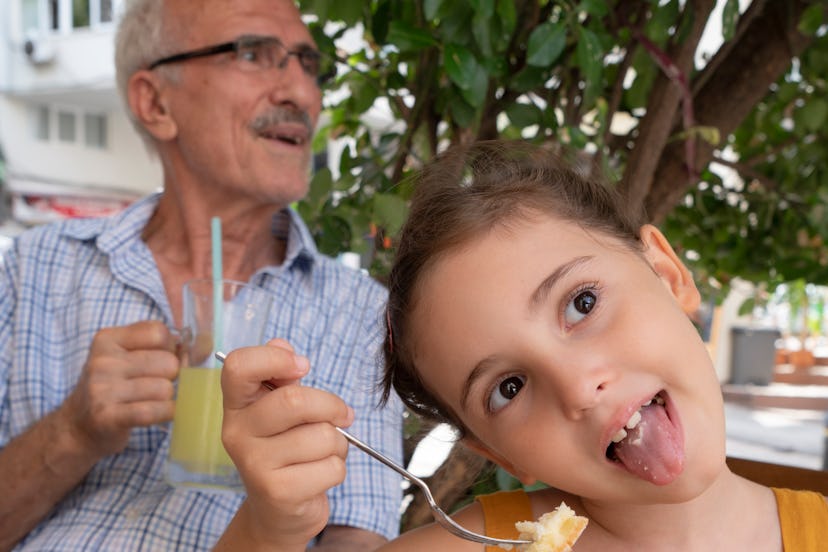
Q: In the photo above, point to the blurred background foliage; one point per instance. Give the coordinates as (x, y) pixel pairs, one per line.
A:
(722, 140)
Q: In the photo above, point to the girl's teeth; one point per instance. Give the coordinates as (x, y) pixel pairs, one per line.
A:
(634, 419)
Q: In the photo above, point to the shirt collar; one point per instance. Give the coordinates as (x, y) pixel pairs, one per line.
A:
(113, 233)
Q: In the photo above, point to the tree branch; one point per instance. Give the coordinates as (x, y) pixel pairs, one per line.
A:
(736, 84)
(657, 125)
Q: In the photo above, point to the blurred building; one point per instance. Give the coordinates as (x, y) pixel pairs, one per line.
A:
(68, 148)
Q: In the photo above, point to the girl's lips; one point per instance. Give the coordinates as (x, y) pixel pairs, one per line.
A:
(620, 419)
(653, 450)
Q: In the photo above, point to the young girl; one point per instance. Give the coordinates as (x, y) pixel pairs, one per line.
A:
(550, 327)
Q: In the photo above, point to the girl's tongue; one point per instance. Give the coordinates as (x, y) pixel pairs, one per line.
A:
(654, 449)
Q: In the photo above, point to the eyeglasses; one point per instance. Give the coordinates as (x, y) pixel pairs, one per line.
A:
(259, 53)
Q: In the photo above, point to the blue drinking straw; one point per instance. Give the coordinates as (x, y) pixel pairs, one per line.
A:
(218, 288)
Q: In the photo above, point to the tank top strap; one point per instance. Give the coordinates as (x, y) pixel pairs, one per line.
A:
(803, 518)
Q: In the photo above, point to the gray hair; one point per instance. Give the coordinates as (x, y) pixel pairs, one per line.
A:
(142, 38)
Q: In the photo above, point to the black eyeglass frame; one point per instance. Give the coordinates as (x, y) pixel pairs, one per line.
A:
(246, 41)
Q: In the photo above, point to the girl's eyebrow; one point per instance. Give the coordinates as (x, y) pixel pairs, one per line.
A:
(540, 294)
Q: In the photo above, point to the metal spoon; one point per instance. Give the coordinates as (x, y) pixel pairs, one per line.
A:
(439, 515)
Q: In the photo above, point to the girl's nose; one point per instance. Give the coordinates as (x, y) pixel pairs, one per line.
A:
(580, 389)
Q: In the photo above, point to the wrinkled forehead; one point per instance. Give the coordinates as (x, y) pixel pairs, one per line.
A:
(212, 21)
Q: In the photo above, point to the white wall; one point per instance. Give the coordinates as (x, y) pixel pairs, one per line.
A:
(124, 165)
(78, 77)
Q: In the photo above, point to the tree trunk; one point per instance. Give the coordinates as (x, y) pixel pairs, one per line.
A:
(664, 101)
(730, 90)
(448, 485)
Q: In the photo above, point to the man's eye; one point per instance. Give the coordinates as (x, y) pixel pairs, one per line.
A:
(504, 392)
(580, 306)
(310, 62)
(251, 55)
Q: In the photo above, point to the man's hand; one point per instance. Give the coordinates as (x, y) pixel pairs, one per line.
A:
(127, 382)
(285, 445)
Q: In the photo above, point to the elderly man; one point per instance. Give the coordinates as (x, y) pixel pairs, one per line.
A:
(226, 93)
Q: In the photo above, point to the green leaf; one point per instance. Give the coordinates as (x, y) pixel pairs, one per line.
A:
(664, 18)
(462, 113)
(505, 480)
(466, 73)
(334, 234)
(812, 19)
(813, 114)
(409, 38)
(460, 64)
(523, 115)
(597, 8)
(380, 21)
(481, 28)
(507, 17)
(319, 8)
(483, 7)
(390, 211)
(431, 8)
(528, 79)
(546, 43)
(320, 189)
(730, 17)
(590, 60)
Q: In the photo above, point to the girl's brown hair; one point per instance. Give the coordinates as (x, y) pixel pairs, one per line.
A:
(464, 193)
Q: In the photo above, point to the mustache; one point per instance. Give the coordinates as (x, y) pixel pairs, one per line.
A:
(279, 115)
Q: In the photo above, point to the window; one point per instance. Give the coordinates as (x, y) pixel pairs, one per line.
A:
(40, 122)
(65, 15)
(94, 130)
(66, 126)
(28, 15)
(73, 125)
(105, 15)
(54, 15)
(80, 14)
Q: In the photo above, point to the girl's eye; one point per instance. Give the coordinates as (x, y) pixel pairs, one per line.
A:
(580, 306)
(504, 392)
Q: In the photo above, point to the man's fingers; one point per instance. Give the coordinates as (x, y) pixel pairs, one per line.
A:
(142, 389)
(147, 413)
(147, 334)
(144, 363)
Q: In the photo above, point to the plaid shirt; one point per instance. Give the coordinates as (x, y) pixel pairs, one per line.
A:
(61, 283)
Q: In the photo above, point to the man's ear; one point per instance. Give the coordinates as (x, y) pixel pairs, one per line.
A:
(670, 269)
(145, 96)
(479, 448)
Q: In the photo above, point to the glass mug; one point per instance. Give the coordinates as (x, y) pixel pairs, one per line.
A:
(215, 318)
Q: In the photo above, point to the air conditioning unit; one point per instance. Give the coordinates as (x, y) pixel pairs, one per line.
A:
(39, 50)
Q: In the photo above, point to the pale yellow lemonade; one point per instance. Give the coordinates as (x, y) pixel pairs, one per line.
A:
(196, 436)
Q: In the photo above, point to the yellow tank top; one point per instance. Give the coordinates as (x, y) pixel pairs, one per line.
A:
(803, 518)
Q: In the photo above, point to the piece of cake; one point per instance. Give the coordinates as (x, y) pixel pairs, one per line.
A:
(555, 531)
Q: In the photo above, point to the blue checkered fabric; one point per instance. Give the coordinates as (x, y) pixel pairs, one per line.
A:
(61, 283)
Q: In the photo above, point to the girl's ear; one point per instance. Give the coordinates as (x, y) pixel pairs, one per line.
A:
(479, 448)
(145, 96)
(670, 269)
